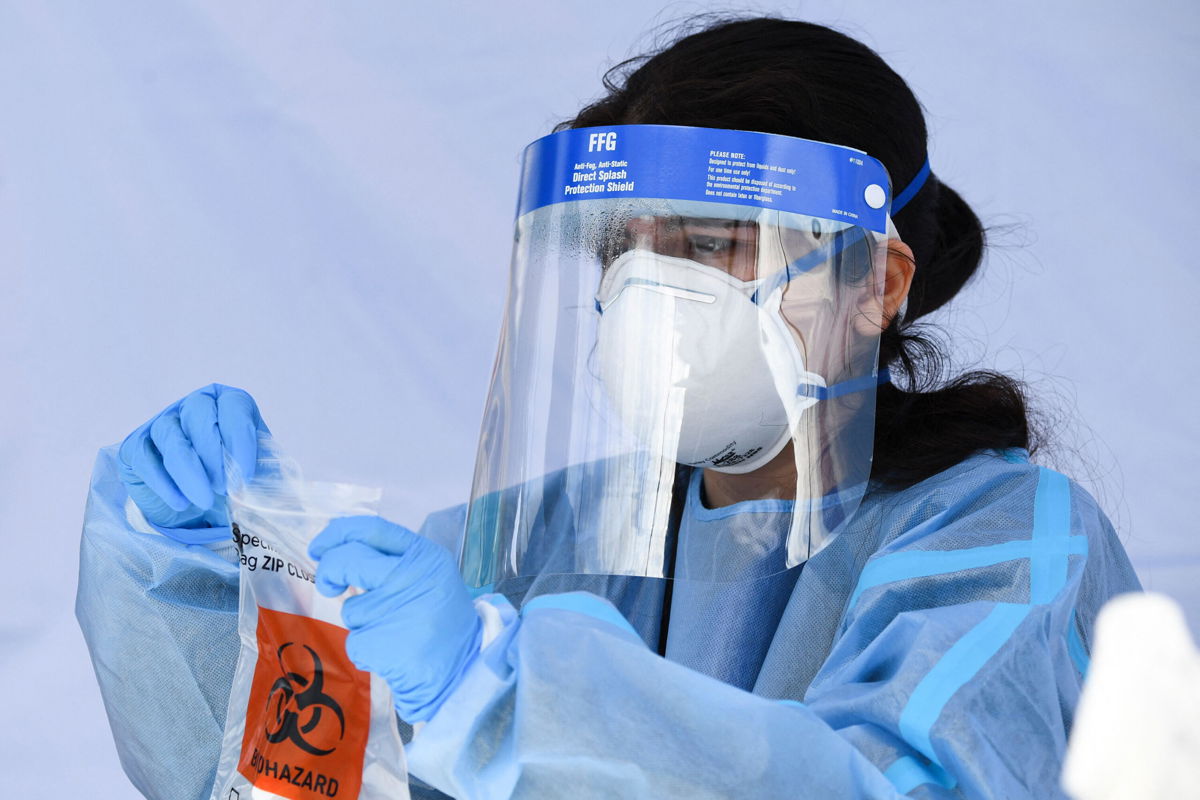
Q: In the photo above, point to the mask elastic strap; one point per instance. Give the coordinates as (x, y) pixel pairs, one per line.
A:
(860, 384)
(816, 258)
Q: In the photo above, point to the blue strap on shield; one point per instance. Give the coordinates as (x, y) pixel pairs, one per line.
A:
(910, 191)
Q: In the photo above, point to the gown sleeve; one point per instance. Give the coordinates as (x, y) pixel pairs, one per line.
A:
(955, 671)
(160, 620)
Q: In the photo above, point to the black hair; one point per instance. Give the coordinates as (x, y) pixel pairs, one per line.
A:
(801, 79)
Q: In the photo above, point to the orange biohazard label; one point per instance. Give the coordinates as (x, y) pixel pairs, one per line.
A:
(309, 711)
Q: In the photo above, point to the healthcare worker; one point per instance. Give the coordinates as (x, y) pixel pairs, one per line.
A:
(731, 533)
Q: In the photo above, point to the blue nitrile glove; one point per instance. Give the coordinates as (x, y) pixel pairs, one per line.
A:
(415, 625)
(174, 466)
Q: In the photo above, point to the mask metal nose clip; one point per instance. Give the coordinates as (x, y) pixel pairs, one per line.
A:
(667, 289)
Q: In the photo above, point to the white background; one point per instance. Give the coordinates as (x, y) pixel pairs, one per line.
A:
(313, 201)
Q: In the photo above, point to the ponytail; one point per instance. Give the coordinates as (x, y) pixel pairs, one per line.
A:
(935, 422)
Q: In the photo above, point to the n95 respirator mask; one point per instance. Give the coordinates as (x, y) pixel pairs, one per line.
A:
(694, 367)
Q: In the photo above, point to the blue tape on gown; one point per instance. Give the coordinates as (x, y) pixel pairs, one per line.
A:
(1048, 548)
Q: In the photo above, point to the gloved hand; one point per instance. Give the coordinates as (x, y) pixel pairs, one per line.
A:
(174, 466)
(415, 625)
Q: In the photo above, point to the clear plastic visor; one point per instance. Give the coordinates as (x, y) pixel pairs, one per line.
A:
(682, 390)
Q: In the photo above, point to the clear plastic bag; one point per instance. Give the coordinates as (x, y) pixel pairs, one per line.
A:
(303, 722)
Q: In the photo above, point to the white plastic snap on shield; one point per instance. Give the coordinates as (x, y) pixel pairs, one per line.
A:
(875, 196)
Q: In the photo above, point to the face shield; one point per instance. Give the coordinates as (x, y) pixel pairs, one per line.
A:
(682, 300)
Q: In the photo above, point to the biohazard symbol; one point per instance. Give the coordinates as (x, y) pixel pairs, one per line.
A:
(297, 703)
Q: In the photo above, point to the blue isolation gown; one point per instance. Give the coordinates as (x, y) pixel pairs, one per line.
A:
(936, 648)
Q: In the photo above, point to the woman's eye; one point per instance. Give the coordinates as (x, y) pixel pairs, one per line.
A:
(708, 245)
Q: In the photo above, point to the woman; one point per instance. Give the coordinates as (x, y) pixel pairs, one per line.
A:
(887, 599)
